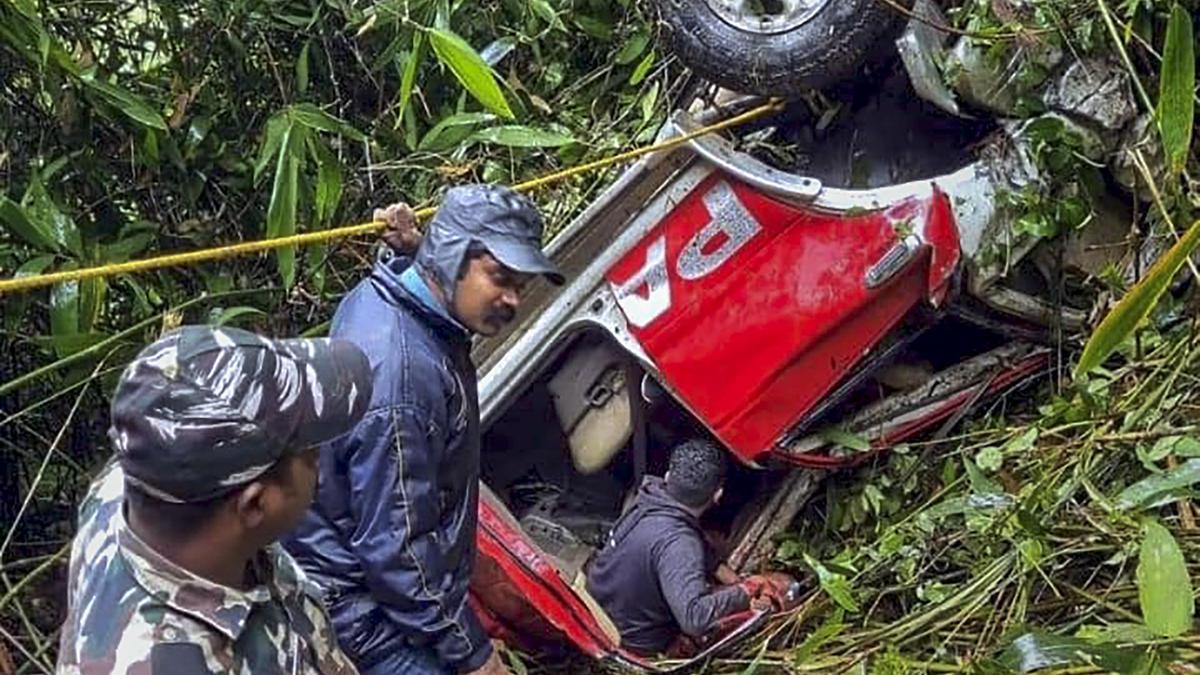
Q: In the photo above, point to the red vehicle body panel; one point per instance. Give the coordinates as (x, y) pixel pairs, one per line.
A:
(767, 307)
(523, 597)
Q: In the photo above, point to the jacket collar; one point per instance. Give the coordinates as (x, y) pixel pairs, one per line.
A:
(225, 609)
(399, 283)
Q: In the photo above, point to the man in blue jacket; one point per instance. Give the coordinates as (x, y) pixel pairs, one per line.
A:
(391, 535)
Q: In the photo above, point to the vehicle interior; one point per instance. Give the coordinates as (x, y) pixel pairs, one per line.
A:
(570, 452)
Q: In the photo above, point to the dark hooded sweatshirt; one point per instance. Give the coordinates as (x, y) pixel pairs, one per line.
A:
(652, 578)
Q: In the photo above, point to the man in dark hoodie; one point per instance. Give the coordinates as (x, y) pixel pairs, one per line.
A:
(655, 576)
(391, 535)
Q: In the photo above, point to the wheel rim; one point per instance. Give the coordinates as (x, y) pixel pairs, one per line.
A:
(766, 16)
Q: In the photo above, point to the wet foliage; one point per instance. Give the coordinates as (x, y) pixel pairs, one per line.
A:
(1053, 530)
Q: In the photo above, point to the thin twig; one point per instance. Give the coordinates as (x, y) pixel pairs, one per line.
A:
(37, 480)
(21, 648)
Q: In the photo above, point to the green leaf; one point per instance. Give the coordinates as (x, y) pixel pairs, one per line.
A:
(643, 69)
(633, 48)
(981, 484)
(649, 100)
(410, 73)
(1150, 492)
(281, 215)
(126, 248)
(314, 118)
(128, 103)
(1180, 446)
(1120, 323)
(546, 12)
(845, 439)
(64, 309)
(329, 181)
(1036, 650)
(14, 312)
(522, 137)
(597, 28)
(433, 139)
(1176, 107)
(302, 69)
(17, 221)
(1164, 587)
(277, 128)
(1118, 632)
(831, 628)
(989, 458)
(470, 69)
(835, 585)
(40, 208)
(231, 315)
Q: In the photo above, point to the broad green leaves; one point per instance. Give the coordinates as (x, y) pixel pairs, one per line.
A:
(1160, 488)
(1123, 319)
(1176, 105)
(834, 584)
(1164, 587)
(281, 215)
(37, 234)
(470, 69)
(292, 139)
(130, 105)
(523, 137)
(409, 76)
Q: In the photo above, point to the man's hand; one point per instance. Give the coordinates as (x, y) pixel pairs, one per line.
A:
(493, 666)
(401, 232)
(769, 591)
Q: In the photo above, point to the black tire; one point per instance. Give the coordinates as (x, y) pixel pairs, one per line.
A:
(828, 48)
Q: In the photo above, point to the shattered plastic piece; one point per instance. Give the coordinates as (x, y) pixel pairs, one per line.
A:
(1096, 90)
(921, 49)
(999, 88)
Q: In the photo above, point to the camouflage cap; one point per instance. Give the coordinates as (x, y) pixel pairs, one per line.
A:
(204, 410)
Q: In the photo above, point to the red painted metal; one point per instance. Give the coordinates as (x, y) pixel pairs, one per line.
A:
(524, 593)
(756, 341)
(1018, 373)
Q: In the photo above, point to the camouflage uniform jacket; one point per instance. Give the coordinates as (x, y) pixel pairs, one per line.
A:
(132, 611)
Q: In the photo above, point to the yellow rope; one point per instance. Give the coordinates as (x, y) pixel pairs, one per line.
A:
(257, 246)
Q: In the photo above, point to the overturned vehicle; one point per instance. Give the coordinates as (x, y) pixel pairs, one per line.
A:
(875, 286)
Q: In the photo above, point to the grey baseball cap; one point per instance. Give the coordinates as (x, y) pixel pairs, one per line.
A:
(497, 218)
(203, 410)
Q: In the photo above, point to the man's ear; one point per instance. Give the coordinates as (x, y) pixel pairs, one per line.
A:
(251, 505)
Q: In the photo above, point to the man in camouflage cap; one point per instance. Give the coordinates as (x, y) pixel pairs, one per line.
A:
(175, 568)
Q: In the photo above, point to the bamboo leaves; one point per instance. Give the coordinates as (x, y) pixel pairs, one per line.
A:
(1164, 587)
(292, 140)
(1124, 318)
(1176, 105)
(470, 69)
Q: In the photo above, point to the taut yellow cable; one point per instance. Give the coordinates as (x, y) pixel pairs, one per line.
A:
(244, 248)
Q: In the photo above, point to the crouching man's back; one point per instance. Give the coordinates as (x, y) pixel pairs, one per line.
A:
(652, 578)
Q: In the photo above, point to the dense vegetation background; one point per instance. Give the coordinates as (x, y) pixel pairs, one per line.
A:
(1055, 531)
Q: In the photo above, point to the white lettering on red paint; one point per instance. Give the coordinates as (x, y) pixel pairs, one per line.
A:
(729, 228)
